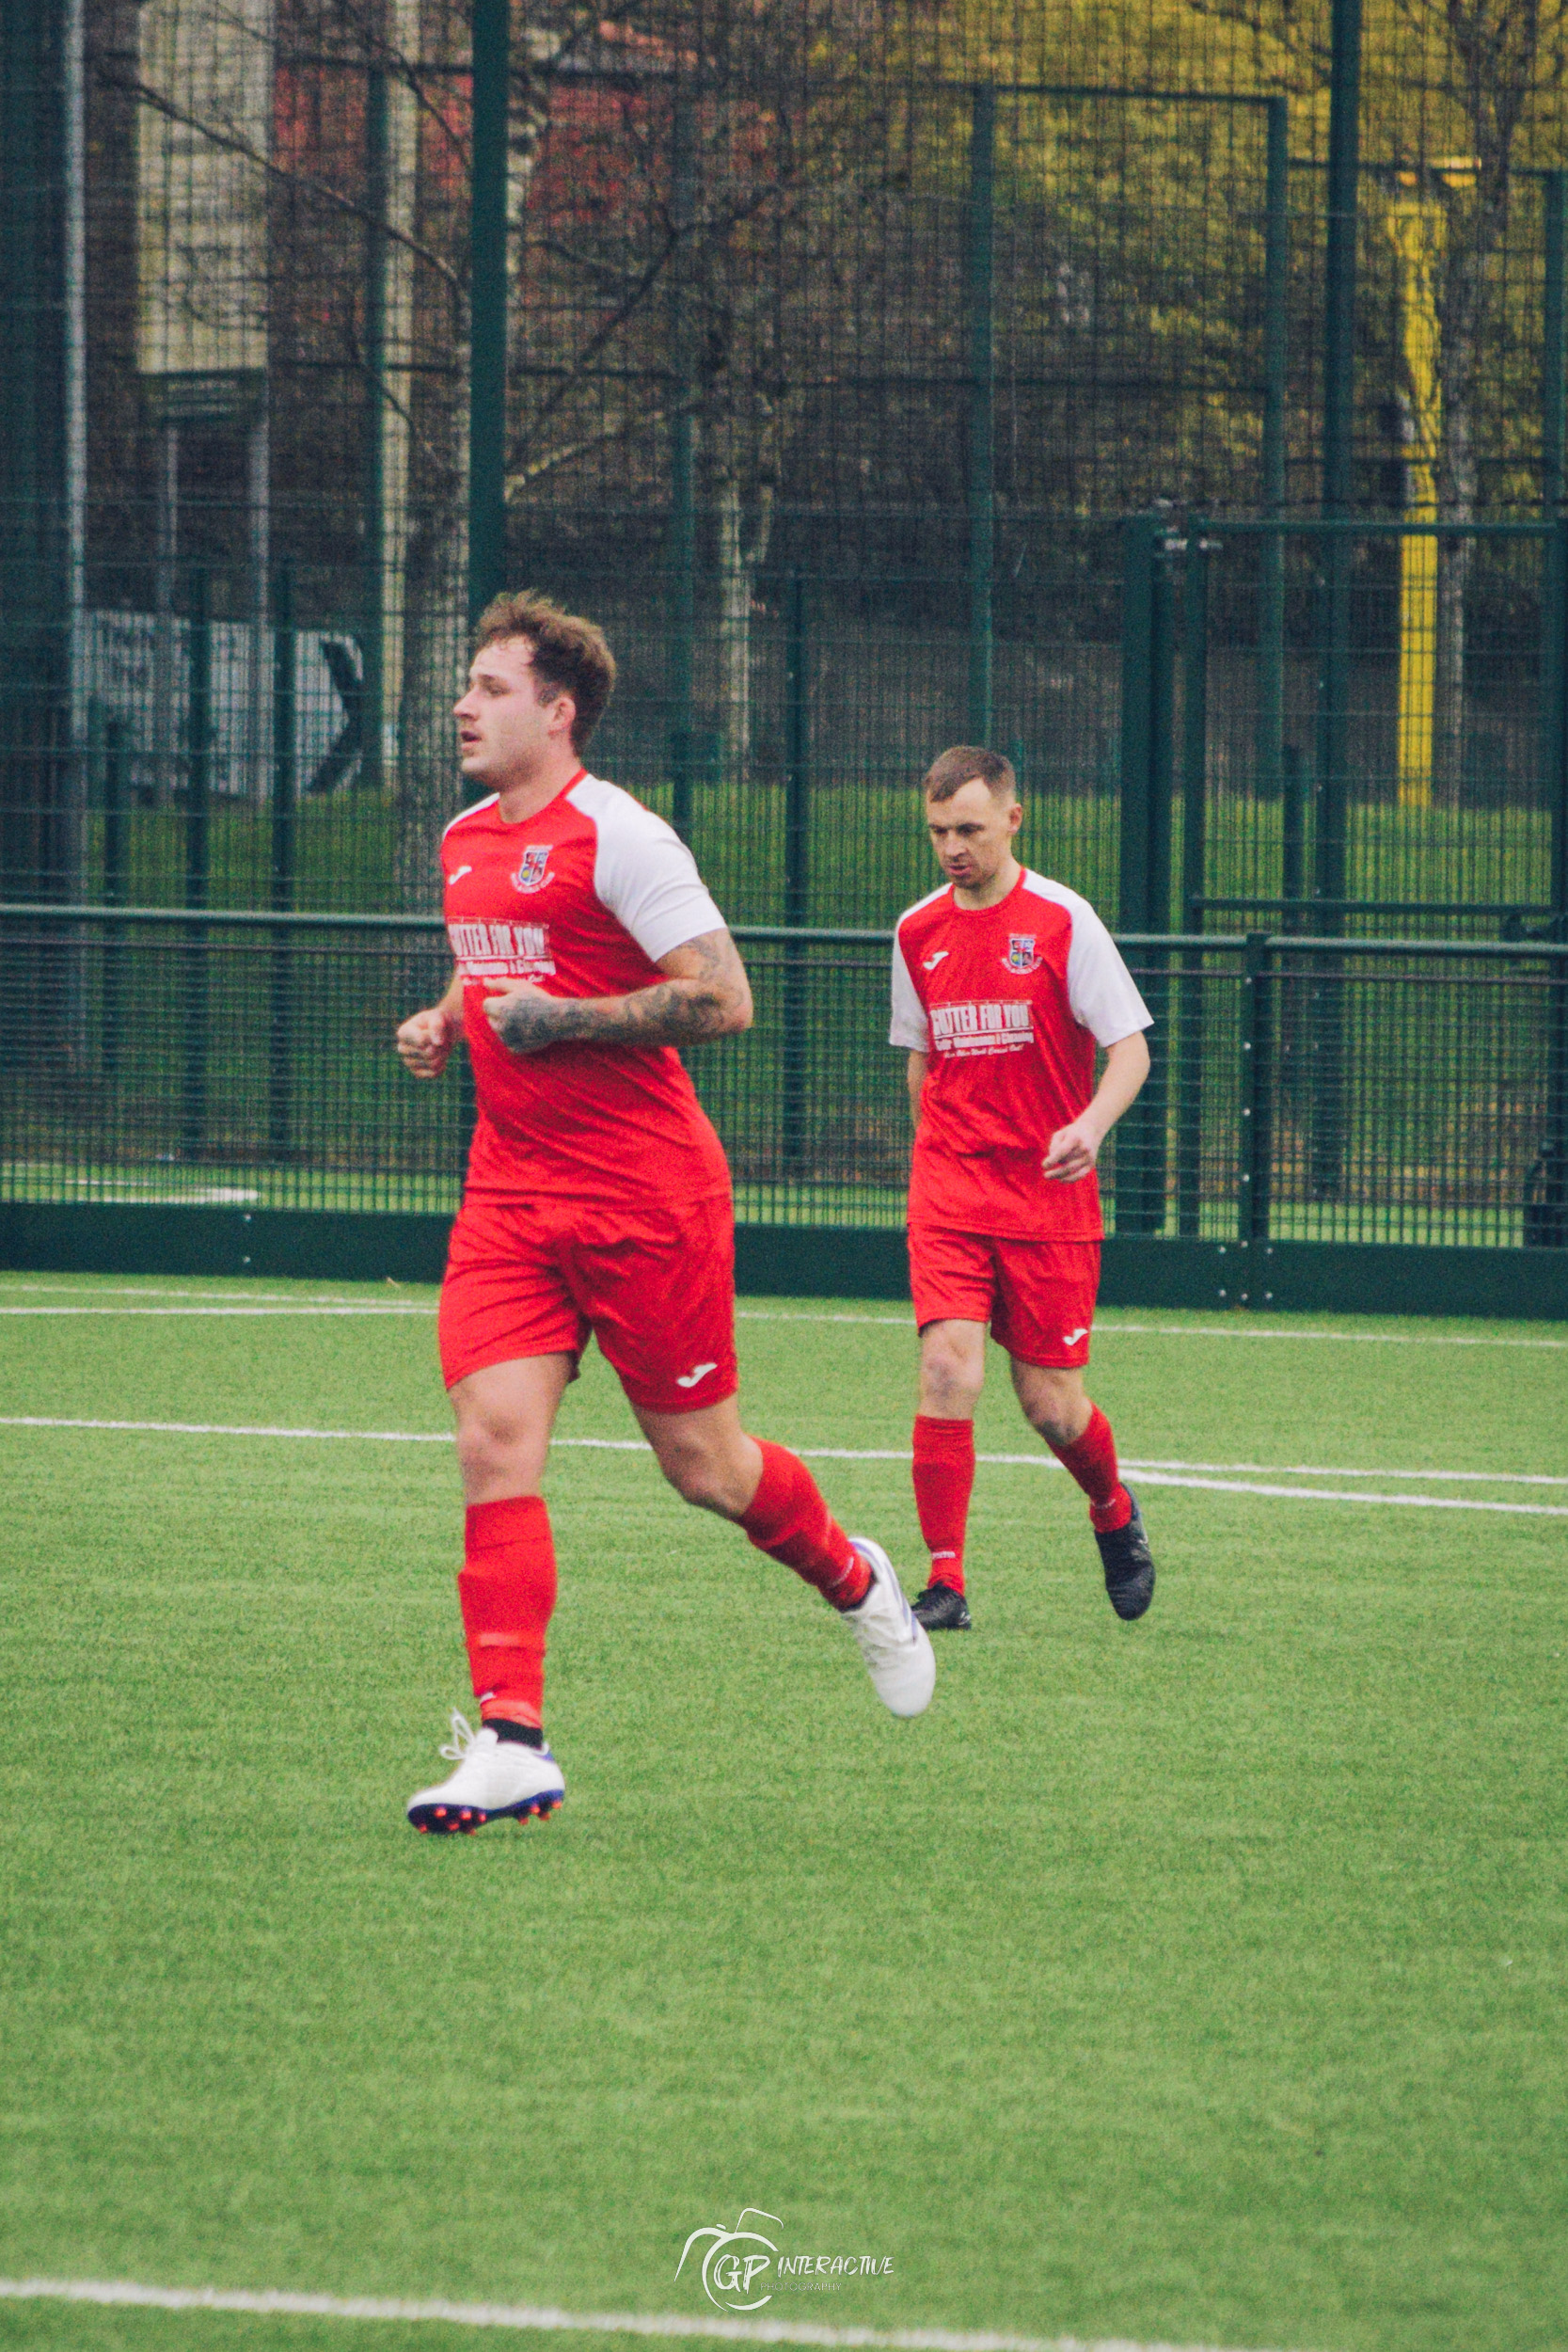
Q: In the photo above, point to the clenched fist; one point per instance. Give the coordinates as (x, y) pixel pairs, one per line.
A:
(425, 1041)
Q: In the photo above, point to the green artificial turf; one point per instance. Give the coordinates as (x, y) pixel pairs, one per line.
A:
(1200, 1980)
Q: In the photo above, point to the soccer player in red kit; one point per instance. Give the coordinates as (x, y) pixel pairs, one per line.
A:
(598, 1196)
(1004, 984)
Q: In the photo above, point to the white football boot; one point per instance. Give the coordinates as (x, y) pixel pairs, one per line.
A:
(494, 1779)
(897, 1652)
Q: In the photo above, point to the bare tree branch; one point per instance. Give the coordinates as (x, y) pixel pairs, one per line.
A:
(231, 143)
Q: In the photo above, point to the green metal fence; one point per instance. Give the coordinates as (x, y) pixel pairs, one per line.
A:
(1196, 744)
(816, 344)
(1176, 396)
(1302, 743)
(1305, 1089)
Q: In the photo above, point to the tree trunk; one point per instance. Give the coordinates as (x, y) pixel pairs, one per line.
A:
(429, 791)
(740, 559)
(734, 636)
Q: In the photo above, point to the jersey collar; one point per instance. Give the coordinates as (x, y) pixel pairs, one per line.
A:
(970, 911)
(570, 786)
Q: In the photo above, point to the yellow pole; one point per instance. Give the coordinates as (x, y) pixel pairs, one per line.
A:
(1416, 227)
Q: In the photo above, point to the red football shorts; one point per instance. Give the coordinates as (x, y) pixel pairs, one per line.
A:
(656, 1290)
(1037, 1296)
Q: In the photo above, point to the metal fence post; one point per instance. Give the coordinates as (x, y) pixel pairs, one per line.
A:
(1137, 670)
(285, 798)
(193, 1109)
(980, 286)
(682, 552)
(1340, 260)
(487, 306)
(1195, 727)
(1270, 551)
(1329, 867)
(1188, 1060)
(1256, 1091)
(1161, 731)
(372, 654)
(35, 456)
(797, 866)
(1554, 355)
(115, 732)
(1154, 1102)
(1546, 1222)
(1148, 748)
(1339, 255)
(1554, 597)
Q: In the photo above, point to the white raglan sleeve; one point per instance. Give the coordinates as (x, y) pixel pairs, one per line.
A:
(643, 873)
(1101, 994)
(910, 1028)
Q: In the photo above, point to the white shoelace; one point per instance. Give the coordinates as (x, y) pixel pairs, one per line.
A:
(463, 1737)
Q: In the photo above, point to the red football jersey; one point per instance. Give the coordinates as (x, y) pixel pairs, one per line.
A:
(1009, 1002)
(581, 898)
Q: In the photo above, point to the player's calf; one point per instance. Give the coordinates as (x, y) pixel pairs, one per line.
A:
(788, 1519)
(944, 1474)
(1090, 1457)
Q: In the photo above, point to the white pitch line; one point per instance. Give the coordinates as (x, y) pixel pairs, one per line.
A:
(1201, 1331)
(548, 2319)
(1324, 1494)
(212, 1297)
(1147, 1476)
(188, 1312)
(757, 1314)
(270, 1429)
(1316, 1469)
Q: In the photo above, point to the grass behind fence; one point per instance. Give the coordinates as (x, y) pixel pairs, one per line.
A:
(1395, 1099)
(870, 859)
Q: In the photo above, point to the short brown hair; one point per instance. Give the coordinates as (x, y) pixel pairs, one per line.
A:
(966, 763)
(569, 653)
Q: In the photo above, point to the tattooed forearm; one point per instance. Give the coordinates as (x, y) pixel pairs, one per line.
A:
(705, 995)
(671, 1014)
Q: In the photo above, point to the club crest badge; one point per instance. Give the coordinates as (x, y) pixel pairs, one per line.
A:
(1021, 952)
(530, 874)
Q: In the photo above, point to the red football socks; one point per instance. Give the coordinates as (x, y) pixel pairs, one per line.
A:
(507, 1589)
(943, 1482)
(787, 1518)
(1092, 1460)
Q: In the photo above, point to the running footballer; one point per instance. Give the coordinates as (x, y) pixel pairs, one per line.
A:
(1004, 985)
(597, 1199)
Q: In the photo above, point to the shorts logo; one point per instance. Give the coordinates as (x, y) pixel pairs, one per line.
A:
(530, 874)
(1021, 952)
(1070, 1339)
(698, 1372)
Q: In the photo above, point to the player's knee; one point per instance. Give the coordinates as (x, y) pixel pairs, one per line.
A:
(950, 1382)
(1057, 1410)
(702, 1477)
(1056, 1428)
(697, 1483)
(492, 1446)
